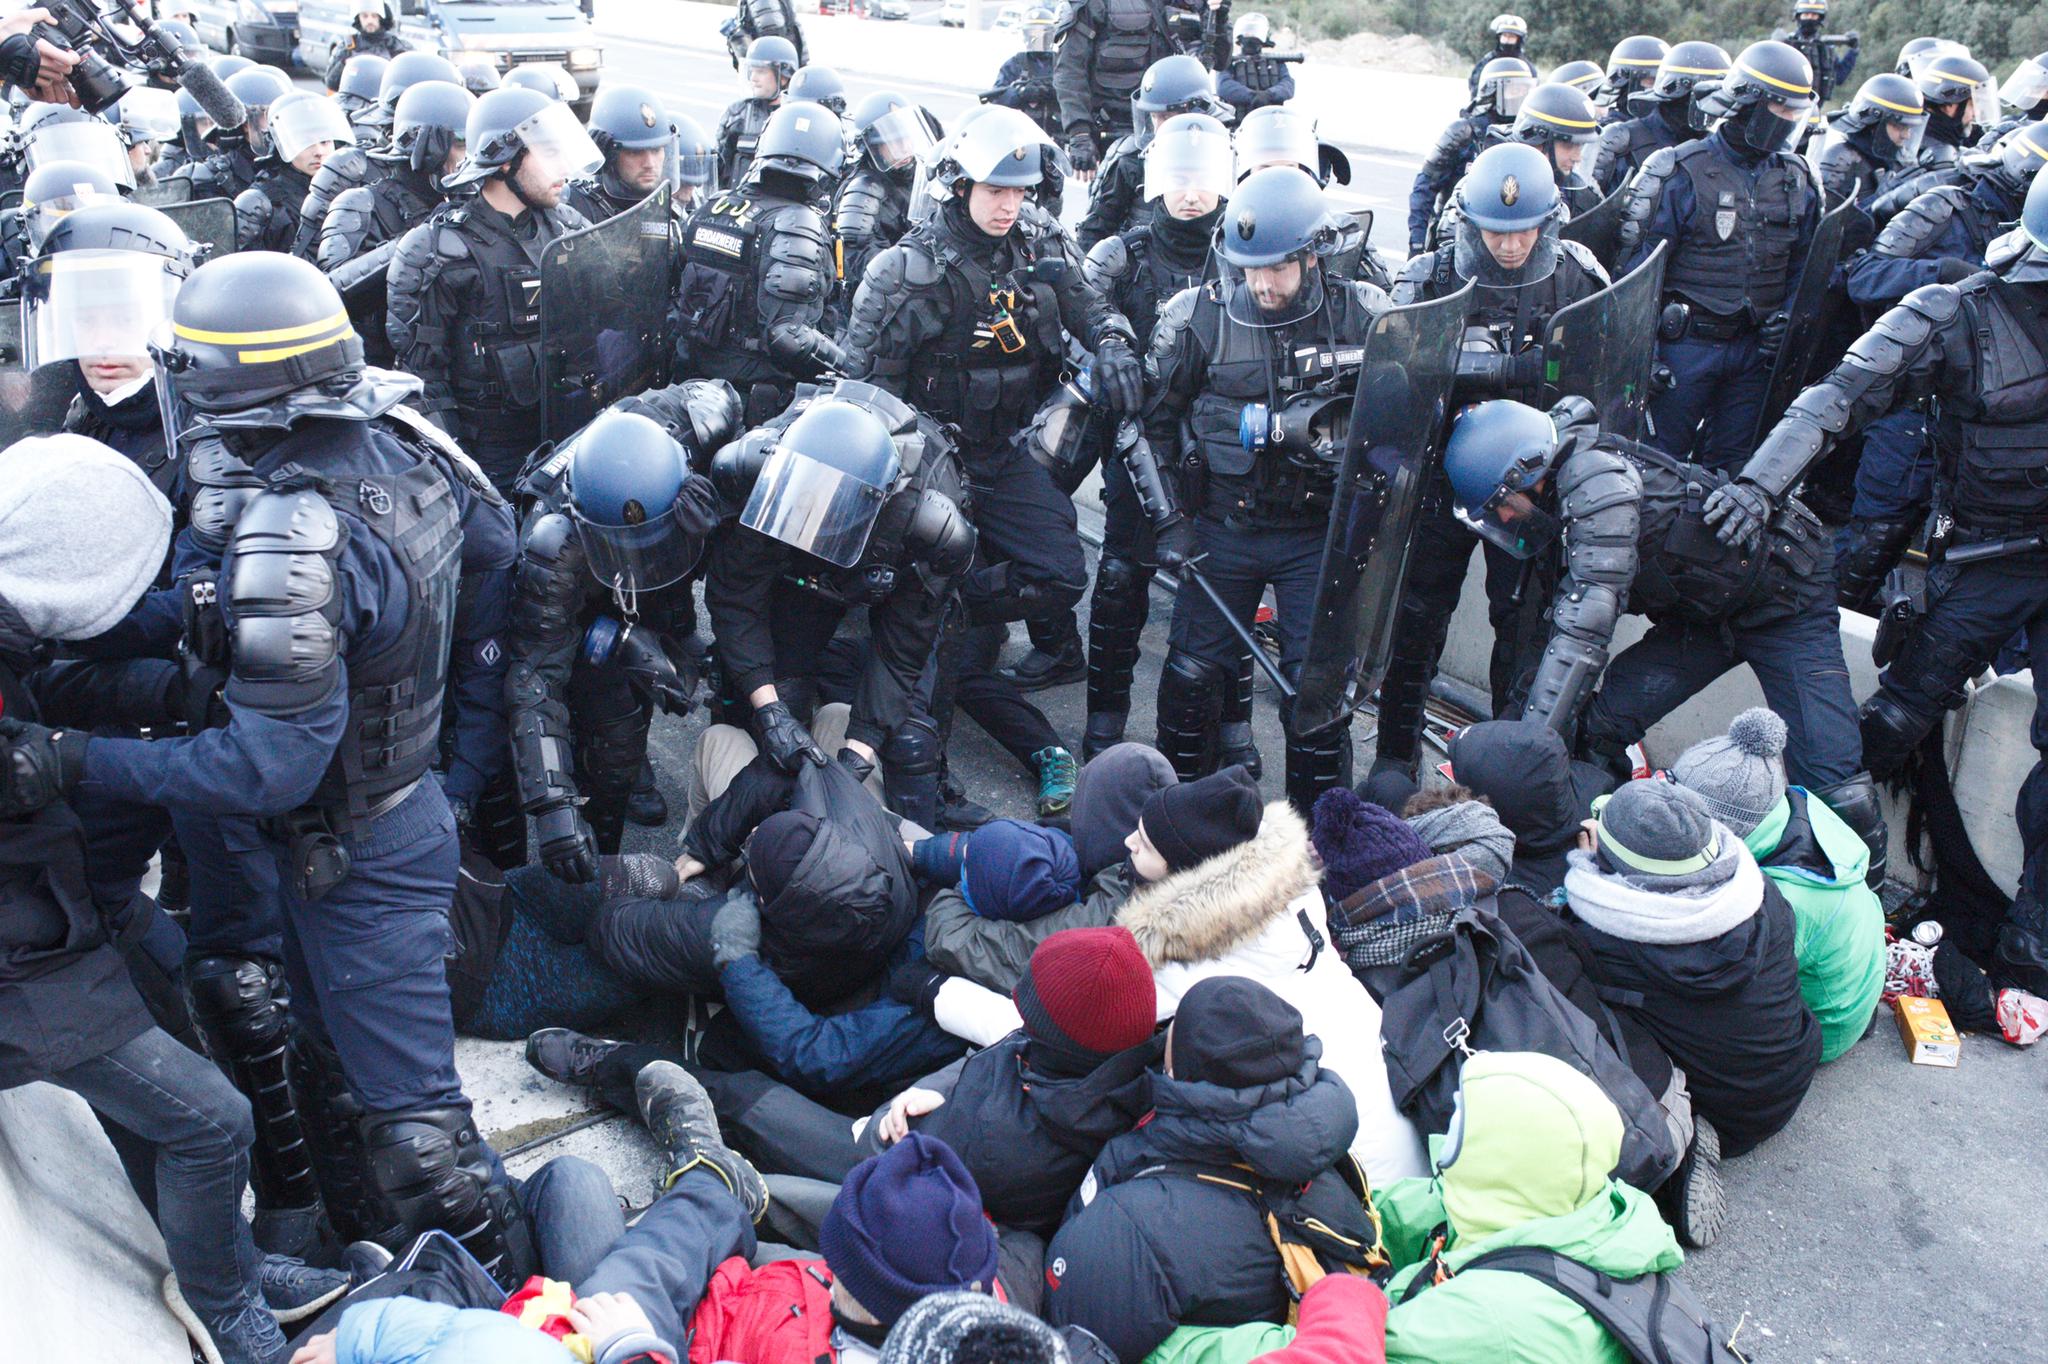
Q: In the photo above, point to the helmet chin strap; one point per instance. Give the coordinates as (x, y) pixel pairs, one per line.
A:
(510, 175)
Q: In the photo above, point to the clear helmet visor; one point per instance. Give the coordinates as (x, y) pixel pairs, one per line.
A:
(652, 554)
(43, 215)
(154, 112)
(84, 304)
(1280, 138)
(2026, 87)
(1193, 161)
(897, 138)
(813, 507)
(298, 124)
(696, 167)
(1278, 295)
(558, 145)
(1509, 94)
(1984, 107)
(95, 144)
(1515, 521)
(1767, 126)
(1905, 135)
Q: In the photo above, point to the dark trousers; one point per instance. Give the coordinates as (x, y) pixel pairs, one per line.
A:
(1240, 563)
(1895, 476)
(999, 706)
(1710, 416)
(1027, 561)
(665, 1259)
(237, 899)
(778, 1129)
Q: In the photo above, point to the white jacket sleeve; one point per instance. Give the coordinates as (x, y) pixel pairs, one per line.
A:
(974, 1013)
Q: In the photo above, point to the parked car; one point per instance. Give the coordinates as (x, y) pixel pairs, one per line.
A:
(261, 30)
(953, 13)
(888, 9)
(1010, 17)
(500, 34)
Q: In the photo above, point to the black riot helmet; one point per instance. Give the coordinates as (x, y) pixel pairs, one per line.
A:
(403, 72)
(1504, 83)
(2015, 163)
(55, 190)
(1886, 101)
(628, 117)
(2026, 89)
(826, 481)
(258, 88)
(1632, 66)
(1764, 98)
(103, 283)
(625, 497)
(894, 132)
(255, 326)
(1912, 49)
(431, 118)
(509, 124)
(362, 80)
(1583, 76)
(1955, 79)
(1685, 68)
(1556, 113)
(819, 85)
(1179, 84)
(803, 140)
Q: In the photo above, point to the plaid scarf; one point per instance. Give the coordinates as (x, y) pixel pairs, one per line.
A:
(1382, 922)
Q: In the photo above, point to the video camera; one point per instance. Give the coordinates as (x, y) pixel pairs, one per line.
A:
(106, 54)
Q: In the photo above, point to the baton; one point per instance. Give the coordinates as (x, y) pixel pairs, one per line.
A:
(1188, 571)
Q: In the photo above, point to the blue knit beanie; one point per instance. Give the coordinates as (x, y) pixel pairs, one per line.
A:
(1015, 871)
(1360, 842)
(907, 1224)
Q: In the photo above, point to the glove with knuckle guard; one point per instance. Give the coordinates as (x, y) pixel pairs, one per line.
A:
(38, 765)
(1738, 513)
(1954, 270)
(1081, 152)
(1176, 544)
(788, 744)
(1119, 378)
(1770, 333)
(735, 931)
(567, 847)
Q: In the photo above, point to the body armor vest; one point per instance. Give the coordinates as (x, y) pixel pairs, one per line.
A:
(1154, 279)
(1000, 347)
(1736, 256)
(1998, 440)
(1128, 40)
(721, 281)
(494, 365)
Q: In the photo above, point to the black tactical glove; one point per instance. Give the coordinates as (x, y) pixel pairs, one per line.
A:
(1738, 513)
(1081, 153)
(1176, 544)
(37, 765)
(1855, 39)
(1119, 378)
(783, 737)
(1770, 334)
(735, 930)
(206, 630)
(567, 847)
(916, 983)
(1954, 270)
(20, 63)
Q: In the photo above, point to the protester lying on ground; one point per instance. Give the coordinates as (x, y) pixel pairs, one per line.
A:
(1523, 769)
(1171, 1227)
(1812, 857)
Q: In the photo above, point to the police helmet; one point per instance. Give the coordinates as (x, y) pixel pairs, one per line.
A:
(1178, 84)
(430, 119)
(625, 482)
(1509, 188)
(406, 70)
(362, 80)
(629, 117)
(545, 78)
(57, 189)
(1556, 113)
(1686, 65)
(1954, 78)
(227, 64)
(2034, 215)
(1039, 25)
(2015, 163)
(1913, 48)
(258, 88)
(480, 78)
(825, 482)
(805, 140)
(146, 114)
(819, 85)
(103, 283)
(1497, 453)
(1764, 98)
(696, 155)
(1000, 146)
(507, 124)
(1252, 28)
(255, 326)
(1277, 214)
(1887, 99)
(117, 225)
(1504, 82)
(1274, 135)
(1635, 59)
(2027, 86)
(1508, 26)
(893, 131)
(1579, 75)
(1810, 9)
(774, 52)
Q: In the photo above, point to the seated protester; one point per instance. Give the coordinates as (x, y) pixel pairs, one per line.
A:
(1171, 1227)
(1521, 767)
(1253, 910)
(1812, 857)
(1450, 819)
(1678, 916)
(971, 1328)
(1343, 1320)
(1527, 1165)
(993, 952)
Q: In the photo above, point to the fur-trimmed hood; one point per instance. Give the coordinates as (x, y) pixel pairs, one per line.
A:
(1218, 905)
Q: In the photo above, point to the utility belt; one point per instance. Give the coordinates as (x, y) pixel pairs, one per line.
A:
(1681, 320)
(313, 837)
(1277, 494)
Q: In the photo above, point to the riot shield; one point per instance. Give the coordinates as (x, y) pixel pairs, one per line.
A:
(1598, 229)
(1601, 348)
(1806, 307)
(1363, 218)
(208, 222)
(177, 190)
(31, 404)
(1391, 448)
(604, 295)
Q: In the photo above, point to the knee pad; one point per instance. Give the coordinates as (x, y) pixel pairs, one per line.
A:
(1869, 550)
(1121, 588)
(1856, 801)
(438, 1175)
(1190, 702)
(1116, 620)
(611, 751)
(1317, 762)
(1891, 731)
(911, 758)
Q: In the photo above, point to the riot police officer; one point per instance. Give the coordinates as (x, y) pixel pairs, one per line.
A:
(757, 266)
(1582, 75)
(621, 514)
(372, 32)
(1509, 210)
(1670, 114)
(1024, 81)
(1875, 138)
(1631, 70)
(769, 64)
(351, 166)
(1833, 59)
(1252, 80)
(1960, 101)
(871, 210)
(628, 125)
(304, 131)
(2025, 92)
(232, 163)
(327, 502)
(363, 225)
(1738, 209)
(1510, 34)
(1624, 526)
(1560, 122)
(1173, 85)
(763, 19)
(51, 191)
(850, 498)
(1276, 136)
(190, 145)
(696, 169)
(1978, 349)
(1260, 514)
(1501, 85)
(1105, 49)
(362, 81)
(464, 286)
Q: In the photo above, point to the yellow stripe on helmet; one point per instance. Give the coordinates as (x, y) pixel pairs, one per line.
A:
(297, 333)
(1774, 81)
(1897, 108)
(1561, 122)
(259, 357)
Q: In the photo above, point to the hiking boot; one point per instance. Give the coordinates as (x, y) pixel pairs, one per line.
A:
(296, 1290)
(1235, 747)
(680, 1118)
(1692, 1198)
(1066, 662)
(246, 1335)
(1056, 773)
(568, 1057)
(645, 805)
(1105, 730)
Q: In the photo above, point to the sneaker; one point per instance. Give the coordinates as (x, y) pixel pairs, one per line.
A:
(680, 1117)
(365, 1260)
(247, 1335)
(568, 1057)
(1039, 669)
(296, 1290)
(1693, 1198)
(645, 805)
(1056, 773)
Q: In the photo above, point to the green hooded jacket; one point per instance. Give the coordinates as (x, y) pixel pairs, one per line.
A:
(1818, 863)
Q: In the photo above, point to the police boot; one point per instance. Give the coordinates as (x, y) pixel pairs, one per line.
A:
(2021, 959)
(1116, 620)
(607, 820)
(174, 883)
(1105, 729)
(910, 771)
(1403, 694)
(439, 1175)
(1056, 656)
(1890, 735)
(1870, 550)
(332, 1117)
(645, 805)
(1235, 746)
(1315, 763)
(240, 1005)
(958, 811)
(1855, 800)
(1190, 705)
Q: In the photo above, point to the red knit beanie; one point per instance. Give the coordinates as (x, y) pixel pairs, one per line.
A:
(1090, 987)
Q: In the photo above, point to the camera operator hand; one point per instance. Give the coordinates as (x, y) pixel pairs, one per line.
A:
(35, 64)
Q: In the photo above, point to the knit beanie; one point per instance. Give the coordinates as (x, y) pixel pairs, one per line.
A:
(1234, 1032)
(1741, 775)
(82, 534)
(971, 1328)
(907, 1224)
(776, 848)
(1015, 871)
(1192, 822)
(1652, 831)
(1089, 988)
(1359, 842)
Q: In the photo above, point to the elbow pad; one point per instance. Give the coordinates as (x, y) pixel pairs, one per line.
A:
(939, 535)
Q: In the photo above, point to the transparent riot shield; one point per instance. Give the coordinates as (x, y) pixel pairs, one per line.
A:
(177, 190)
(1806, 308)
(1601, 348)
(210, 223)
(1391, 446)
(31, 403)
(1598, 229)
(604, 297)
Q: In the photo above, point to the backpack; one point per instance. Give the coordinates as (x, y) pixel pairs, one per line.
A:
(1474, 986)
(1655, 1318)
